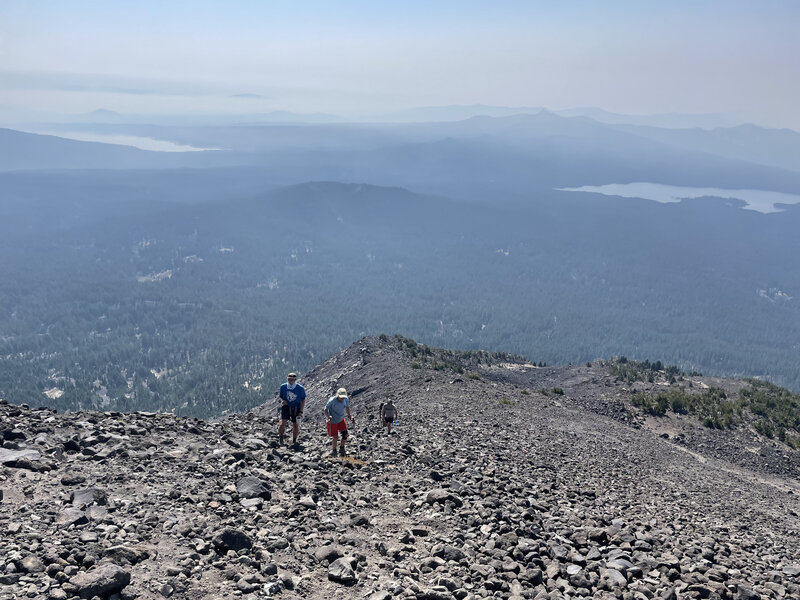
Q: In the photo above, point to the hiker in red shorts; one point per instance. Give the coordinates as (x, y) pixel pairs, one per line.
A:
(335, 410)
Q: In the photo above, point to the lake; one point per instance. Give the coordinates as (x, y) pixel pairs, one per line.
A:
(762, 201)
(143, 143)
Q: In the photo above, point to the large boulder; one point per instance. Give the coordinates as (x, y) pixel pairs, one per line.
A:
(19, 459)
(232, 539)
(329, 553)
(129, 555)
(71, 516)
(442, 495)
(102, 581)
(88, 496)
(341, 571)
(252, 487)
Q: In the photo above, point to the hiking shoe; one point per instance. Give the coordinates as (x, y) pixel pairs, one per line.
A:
(333, 453)
(342, 452)
(282, 439)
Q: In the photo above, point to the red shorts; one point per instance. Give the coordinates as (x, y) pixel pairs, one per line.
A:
(335, 428)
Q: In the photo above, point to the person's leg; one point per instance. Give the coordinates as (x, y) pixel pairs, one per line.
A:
(389, 426)
(282, 424)
(334, 439)
(295, 427)
(345, 435)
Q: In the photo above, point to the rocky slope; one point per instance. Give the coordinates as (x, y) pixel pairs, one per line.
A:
(492, 485)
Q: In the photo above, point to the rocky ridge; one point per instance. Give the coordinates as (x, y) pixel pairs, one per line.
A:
(490, 486)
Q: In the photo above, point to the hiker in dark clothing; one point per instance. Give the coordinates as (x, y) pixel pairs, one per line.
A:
(389, 415)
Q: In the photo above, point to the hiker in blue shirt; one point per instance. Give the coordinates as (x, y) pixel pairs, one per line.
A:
(293, 401)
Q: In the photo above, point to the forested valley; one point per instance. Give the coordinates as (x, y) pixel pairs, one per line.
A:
(131, 297)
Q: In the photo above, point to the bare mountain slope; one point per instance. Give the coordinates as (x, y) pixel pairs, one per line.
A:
(490, 487)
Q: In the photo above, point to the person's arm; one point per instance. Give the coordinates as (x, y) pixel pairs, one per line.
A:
(303, 402)
(327, 414)
(282, 394)
(349, 416)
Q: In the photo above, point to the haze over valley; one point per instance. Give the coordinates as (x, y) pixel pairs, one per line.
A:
(176, 237)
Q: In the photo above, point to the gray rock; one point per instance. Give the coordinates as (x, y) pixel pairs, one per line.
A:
(573, 569)
(341, 571)
(307, 502)
(442, 495)
(14, 434)
(434, 594)
(745, 593)
(246, 587)
(166, 590)
(31, 564)
(791, 570)
(126, 555)
(101, 581)
(579, 580)
(232, 539)
(328, 554)
(72, 479)
(81, 498)
(19, 459)
(71, 516)
(9, 578)
(611, 578)
(87, 537)
(448, 552)
(96, 513)
(669, 594)
(274, 588)
(251, 502)
(252, 487)
(620, 564)
(359, 521)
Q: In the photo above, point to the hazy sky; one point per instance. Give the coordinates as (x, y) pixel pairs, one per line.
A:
(355, 57)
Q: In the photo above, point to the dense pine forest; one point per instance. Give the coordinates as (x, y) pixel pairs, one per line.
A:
(201, 307)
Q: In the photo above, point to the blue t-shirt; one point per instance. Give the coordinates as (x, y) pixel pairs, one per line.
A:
(293, 395)
(337, 408)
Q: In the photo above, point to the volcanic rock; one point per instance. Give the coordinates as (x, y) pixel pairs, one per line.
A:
(102, 581)
(492, 485)
(340, 570)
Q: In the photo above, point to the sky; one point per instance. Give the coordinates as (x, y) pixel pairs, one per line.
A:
(357, 58)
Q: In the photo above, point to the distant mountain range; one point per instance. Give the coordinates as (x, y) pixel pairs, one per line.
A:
(462, 112)
(419, 114)
(521, 151)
